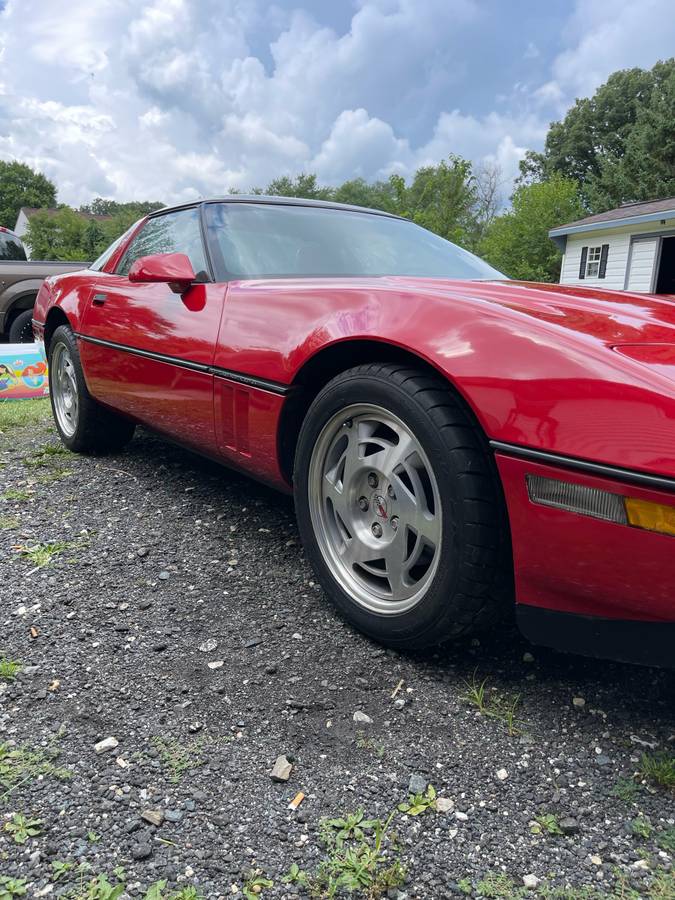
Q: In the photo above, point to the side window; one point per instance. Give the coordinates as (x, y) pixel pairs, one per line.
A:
(176, 232)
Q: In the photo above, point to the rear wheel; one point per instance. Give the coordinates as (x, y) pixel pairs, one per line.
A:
(21, 329)
(83, 424)
(399, 507)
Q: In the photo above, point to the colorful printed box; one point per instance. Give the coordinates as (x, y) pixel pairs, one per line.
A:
(23, 372)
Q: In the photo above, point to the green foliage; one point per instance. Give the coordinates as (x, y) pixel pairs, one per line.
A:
(255, 884)
(12, 887)
(619, 144)
(42, 553)
(502, 707)
(21, 828)
(177, 758)
(60, 868)
(659, 767)
(641, 827)
(666, 840)
(22, 186)
(20, 765)
(16, 413)
(499, 885)
(9, 669)
(517, 242)
(416, 804)
(547, 822)
(625, 789)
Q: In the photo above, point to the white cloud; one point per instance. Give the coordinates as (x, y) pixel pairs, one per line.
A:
(171, 99)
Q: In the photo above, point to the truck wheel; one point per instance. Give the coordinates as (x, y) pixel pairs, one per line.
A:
(399, 508)
(21, 329)
(84, 425)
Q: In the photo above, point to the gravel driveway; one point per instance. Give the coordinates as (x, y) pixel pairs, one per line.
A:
(158, 600)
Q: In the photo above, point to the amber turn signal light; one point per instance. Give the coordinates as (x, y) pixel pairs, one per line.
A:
(650, 516)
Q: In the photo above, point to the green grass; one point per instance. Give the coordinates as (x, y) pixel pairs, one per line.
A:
(625, 789)
(7, 523)
(21, 765)
(48, 456)
(659, 768)
(492, 704)
(42, 553)
(20, 413)
(501, 886)
(9, 668)
(17, 494)
(177, 758)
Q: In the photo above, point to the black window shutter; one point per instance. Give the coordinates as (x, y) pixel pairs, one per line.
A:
(582, 264)
(603, 260)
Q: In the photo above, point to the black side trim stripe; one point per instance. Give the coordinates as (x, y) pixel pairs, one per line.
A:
(263, 384)
(582, 465)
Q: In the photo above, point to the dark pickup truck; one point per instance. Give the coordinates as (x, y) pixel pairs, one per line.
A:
(20, 280)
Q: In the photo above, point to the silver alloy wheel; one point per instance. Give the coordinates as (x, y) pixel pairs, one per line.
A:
(64, 389)
(375, 508)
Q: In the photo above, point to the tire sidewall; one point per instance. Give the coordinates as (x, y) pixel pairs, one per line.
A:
(393, 628)
(63, 335)
(20, 324)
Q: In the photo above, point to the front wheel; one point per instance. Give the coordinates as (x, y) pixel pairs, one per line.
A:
(84, 425)
(399, 507)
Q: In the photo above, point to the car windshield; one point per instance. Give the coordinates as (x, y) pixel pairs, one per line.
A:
(264, 240)
(11, 247)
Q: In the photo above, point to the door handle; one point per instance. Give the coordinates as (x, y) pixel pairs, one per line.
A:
(99, 299)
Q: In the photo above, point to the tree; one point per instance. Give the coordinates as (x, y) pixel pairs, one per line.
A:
(441, 198)
(303, 185)
(57, 235)
(22, 186)
(517, 242)
(628, 116)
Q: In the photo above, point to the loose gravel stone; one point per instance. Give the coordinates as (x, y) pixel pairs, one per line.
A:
(196, 742)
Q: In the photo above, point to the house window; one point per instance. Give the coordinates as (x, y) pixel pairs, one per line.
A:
(593, 262)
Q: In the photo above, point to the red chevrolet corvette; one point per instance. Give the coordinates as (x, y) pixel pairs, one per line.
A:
(458, 444)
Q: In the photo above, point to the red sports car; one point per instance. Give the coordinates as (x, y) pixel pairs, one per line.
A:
(458, 444)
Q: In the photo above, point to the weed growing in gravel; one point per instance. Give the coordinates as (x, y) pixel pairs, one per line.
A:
(546, 822)
(60, 868)
(7, 523)
(176, 758)
(42, 553)
(625, 789)
(100, 887)
(17, 494)
(9, 668)
(46, 456)
(498, 884)
(255, 884)
(666, 840)
(366, 743)
(416, 804)
(12, 887)
(19, 765)
(358, 859)
(20, 828)
(641, 827)
(502, 707)
(659, 767)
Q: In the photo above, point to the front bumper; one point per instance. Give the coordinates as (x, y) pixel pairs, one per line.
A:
(588, 585)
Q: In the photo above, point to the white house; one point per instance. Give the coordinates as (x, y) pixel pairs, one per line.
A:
(631, 248)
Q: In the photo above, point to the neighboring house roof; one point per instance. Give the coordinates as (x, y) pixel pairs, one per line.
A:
(29, 211)
(626, 214)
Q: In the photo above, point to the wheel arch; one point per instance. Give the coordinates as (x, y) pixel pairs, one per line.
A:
(19, 303)
(55, 317)
(325, 365)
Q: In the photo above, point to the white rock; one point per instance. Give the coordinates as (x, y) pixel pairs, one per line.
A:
(595, 860)
(208, 646)
(578, 702)
(216, 664)
(282, 769)
(362, 718)
(640, 864)
(106, 744)
(502, 774)
(527, 657)
(461, 816)
(530, 881)
(444, 804)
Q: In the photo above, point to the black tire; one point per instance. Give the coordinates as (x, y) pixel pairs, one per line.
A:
(97, 429)
(21, 329)
(472, 586)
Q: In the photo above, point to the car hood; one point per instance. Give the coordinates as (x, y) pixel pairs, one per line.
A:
(609, 317)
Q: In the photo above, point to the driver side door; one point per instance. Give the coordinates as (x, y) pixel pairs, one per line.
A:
(149, 352)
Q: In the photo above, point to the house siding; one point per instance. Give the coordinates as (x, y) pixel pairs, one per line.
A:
(626, 248)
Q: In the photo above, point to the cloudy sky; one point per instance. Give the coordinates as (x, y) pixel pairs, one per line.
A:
(173, 99)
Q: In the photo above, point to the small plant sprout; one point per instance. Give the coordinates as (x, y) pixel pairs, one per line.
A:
(255, 884)
(12, 887)
(659, 768)
(9, 668)
(493, 705)
(60, 868)
(641, 827)
(416, 804)
(42, 553)
(20, 828)
(546, 822)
